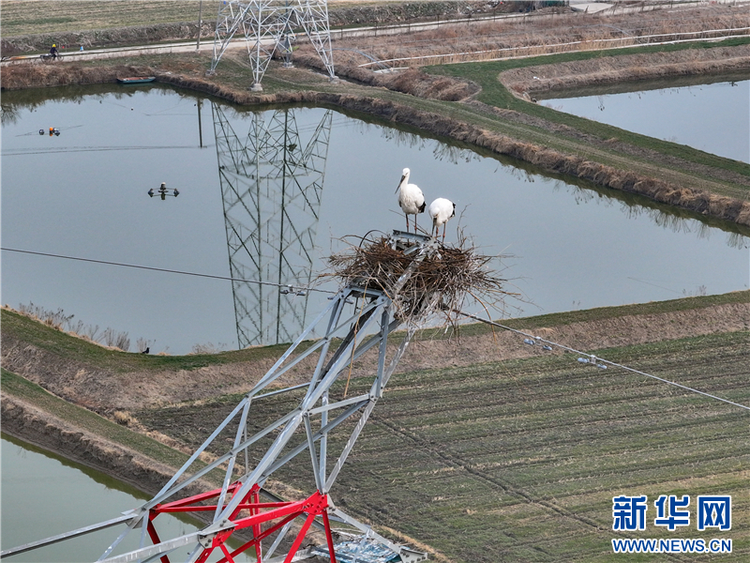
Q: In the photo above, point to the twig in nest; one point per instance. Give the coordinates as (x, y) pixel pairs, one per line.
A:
(440, 283)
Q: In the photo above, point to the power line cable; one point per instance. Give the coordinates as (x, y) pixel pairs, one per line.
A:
(531, 339)
(167, 270)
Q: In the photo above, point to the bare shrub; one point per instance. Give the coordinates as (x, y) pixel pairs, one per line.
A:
(91, 332)
(55, 319)
(76, 328)
(115, 339)
(208, 348)
(62, 322)
(124, 418)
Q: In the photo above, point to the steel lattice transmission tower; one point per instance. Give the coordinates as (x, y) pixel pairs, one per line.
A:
(254, 441)
(271, 186)
(269, 26)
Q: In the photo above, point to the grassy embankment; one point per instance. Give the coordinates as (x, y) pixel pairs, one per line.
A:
(513, 460)
(494, 94)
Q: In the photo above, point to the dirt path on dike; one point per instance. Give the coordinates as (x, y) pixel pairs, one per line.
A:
(106, 391)
(113, 393)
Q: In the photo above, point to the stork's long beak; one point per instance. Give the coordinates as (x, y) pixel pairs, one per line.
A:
(401, 181)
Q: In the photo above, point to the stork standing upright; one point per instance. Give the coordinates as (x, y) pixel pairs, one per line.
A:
(410, 198)
(441, 210)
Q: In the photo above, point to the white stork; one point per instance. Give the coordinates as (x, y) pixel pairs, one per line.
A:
(441, 210)
(410, 198)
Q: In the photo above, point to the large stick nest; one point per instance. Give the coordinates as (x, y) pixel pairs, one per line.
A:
(440, 283)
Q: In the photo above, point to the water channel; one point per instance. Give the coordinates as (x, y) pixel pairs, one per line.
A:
(269, 195)
(44, 495)
(713, 117)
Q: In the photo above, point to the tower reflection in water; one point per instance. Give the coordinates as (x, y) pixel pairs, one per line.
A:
(272, 185)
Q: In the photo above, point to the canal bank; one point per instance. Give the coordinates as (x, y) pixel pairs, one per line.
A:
(683, 178)
(79, 399)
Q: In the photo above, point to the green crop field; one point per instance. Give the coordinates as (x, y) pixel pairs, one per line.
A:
(519, 460)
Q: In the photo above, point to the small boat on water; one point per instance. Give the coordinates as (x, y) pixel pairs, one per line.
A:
(136, 79)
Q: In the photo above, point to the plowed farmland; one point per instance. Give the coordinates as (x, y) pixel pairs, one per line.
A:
(518, 460)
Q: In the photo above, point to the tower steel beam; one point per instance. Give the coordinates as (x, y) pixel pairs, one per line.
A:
(272, 186)
(356, 320)
(268, 26)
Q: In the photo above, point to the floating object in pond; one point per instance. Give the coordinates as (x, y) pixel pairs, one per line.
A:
(528, 341)
(136, 79)
(163, 191)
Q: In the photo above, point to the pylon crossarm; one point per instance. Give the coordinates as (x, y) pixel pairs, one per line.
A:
(132, 524)
(318, 435)
(280, 391)
(68, 535)
(271, 377)
(333, 309)
(277, 370)
(372, 341)
(157, 498)
(339, 362)
(387, 373)
(252, 478)
(167, 493)
(358, 400)
(161, 548)
(241, 428)
(313, 453)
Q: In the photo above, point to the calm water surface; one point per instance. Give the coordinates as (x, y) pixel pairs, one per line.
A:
(714, 117)
(44, 495)
(84, 194)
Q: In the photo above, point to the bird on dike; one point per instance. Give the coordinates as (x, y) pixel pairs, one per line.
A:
(410, 198)
(441, 210)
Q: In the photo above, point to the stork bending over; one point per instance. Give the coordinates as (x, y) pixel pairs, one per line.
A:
(441, 210)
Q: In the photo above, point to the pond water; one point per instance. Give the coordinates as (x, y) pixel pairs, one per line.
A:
(34, 503)
(269, 195)
(712, 117)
